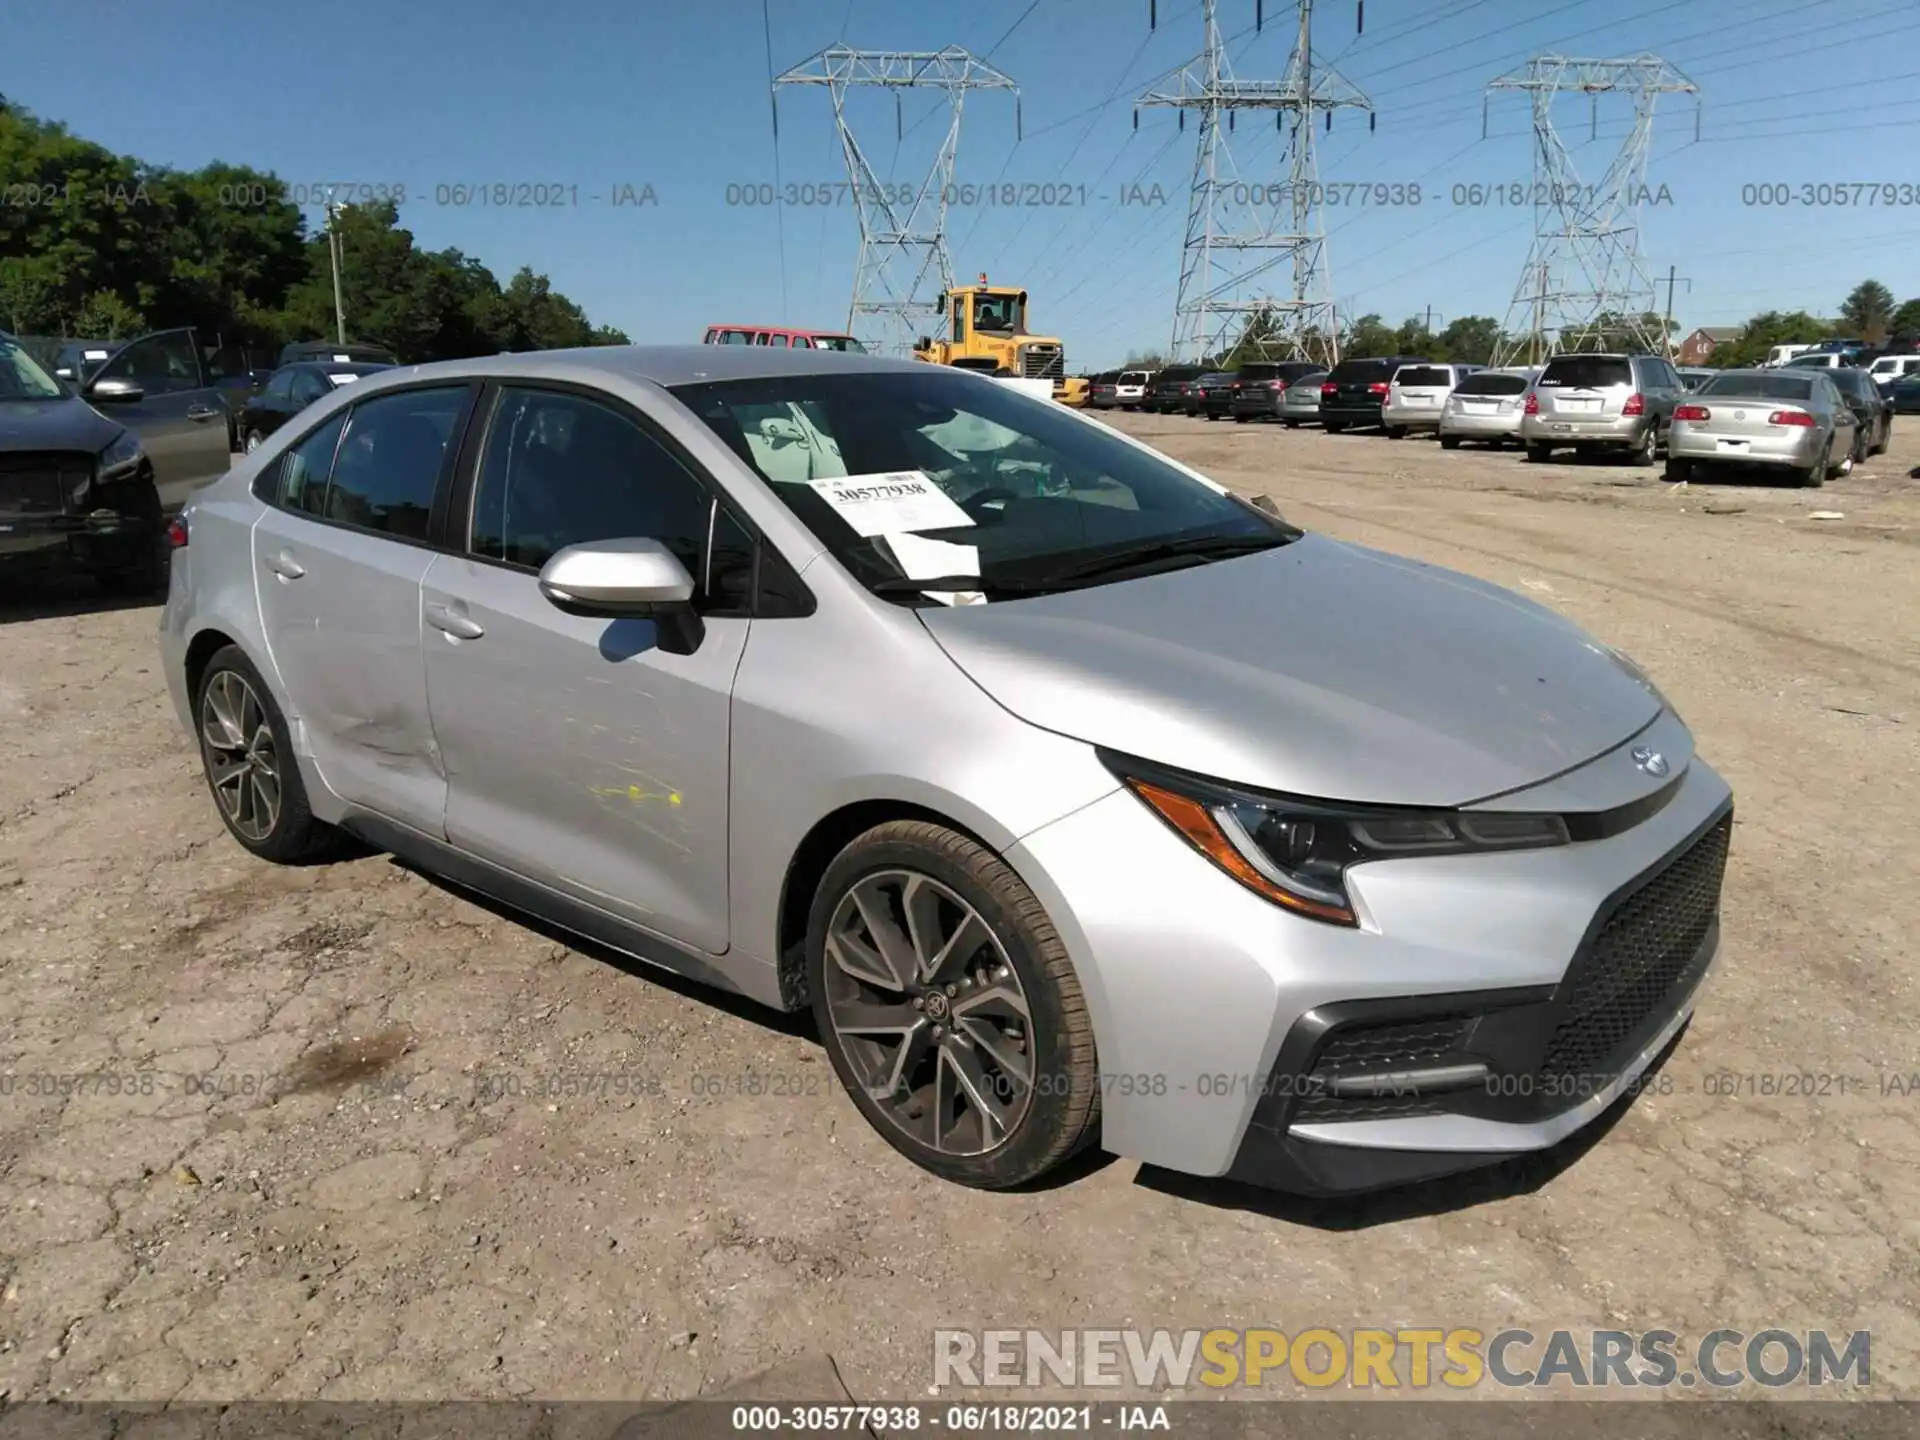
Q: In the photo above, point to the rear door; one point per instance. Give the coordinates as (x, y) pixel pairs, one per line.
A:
(1584, 387)
(180, 417)
(338, 561)
(1423, 387)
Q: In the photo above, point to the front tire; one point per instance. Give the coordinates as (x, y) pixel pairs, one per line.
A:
(1395, 432)
(1647, 449)
(1815, 476)
(949, 1009)
(248, 758)
(1539, 454)
(1334, 427)
(1449, 442)
(253, 441)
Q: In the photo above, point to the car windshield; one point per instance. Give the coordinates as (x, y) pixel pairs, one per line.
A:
(1759, 387)
(907, 476)
(21, 377)
(1486, 384)
(1586, 372)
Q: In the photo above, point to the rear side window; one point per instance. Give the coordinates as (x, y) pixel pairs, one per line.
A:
(390, 460)
(305, 468)
(1586, 372)
(1484, 384)
(1424, 375)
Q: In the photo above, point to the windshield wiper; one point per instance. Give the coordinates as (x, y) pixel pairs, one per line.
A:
(1156, 552)
(963, 584)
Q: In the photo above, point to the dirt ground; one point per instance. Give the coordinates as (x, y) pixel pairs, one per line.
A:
(312, 1158)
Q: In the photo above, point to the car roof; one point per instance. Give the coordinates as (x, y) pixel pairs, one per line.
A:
(664, 365)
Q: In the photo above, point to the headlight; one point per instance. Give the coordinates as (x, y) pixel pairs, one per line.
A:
(1296, 853)
(122, 458)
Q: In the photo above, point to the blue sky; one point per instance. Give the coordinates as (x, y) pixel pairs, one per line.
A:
(606, 93)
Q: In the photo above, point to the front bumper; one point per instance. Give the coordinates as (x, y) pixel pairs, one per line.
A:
(1584, 430)
(1797, 448)
(1212, 1008)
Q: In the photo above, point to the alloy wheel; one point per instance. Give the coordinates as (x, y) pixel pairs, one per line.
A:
(242, 761)
(929, 1012)
(253, 441)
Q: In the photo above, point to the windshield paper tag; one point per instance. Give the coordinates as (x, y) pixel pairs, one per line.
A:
(891, 503)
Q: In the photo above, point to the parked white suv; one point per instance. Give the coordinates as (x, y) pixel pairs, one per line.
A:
(1417, 396)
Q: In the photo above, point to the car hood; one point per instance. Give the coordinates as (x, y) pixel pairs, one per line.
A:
(69, 424)
(1318, 669)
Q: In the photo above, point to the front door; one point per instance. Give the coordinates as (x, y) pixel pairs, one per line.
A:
(180, 418)
(587, 754)
(338, 562)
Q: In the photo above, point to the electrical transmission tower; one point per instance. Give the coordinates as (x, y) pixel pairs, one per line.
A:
(1585, 285)
(1239, 231)
(904, 265)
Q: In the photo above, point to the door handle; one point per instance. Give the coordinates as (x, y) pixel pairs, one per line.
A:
(286, 567)
(202, 412)
(461, 627)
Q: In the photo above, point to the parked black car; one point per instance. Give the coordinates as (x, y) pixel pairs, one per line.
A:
(90, 473)
(326, 351)
(1168, 393)
(289, 390)
(1355, 391)
(1262, 384)
(1211, 394)
(1903, 396)
(1869, 407)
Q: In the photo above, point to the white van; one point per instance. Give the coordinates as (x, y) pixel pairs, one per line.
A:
(1780, 354)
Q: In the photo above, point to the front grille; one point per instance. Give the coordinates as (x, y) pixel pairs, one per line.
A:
(1637, 960)
(1363, 1049)
(38, 482)
(1043, 362)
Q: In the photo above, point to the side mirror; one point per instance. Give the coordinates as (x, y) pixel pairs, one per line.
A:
(617, 578)
(64, 372)
(113, 390)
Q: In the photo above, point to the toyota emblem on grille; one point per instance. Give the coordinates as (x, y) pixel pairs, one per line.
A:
(1650, 760)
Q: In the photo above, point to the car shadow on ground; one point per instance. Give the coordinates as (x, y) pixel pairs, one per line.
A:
(1522, 1175)
(55, 598)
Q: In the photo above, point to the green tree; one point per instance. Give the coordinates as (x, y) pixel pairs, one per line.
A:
(1868, 310)
(1905, 325)
(1763, 332)
(1413, 337)
(105, 316)
(1468, 340)
(1369, 336)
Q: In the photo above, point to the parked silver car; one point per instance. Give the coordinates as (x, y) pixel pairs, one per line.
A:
(881, 689)
(1786, 419)
(1300, 401)
(1417, 395)
(1583, 402)
(1486, 406)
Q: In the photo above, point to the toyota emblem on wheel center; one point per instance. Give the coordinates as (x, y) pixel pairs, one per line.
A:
(1650, 760)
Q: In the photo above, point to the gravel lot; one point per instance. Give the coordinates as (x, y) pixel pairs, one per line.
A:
(337, 1209)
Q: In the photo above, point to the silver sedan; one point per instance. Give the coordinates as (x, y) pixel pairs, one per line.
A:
(1792, 421)
(966, 722)
(1301, 401)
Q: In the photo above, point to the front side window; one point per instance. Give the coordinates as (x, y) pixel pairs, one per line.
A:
(559, 469)
(1015, 491)
(307, 388)
(280, 386)
(390, 459)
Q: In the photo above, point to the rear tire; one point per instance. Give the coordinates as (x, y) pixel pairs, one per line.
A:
(1449, 442)
(1678, 472)
(1539, 454)
(1395, 432)
(248, 759)
(1013, 1002)
(1647, 449)
(1291, 424)
(1241, 419)
(1334, 427)
(1816, 475)
(1886, 438)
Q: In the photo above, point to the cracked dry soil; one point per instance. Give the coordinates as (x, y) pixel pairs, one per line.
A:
(280, 1133)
